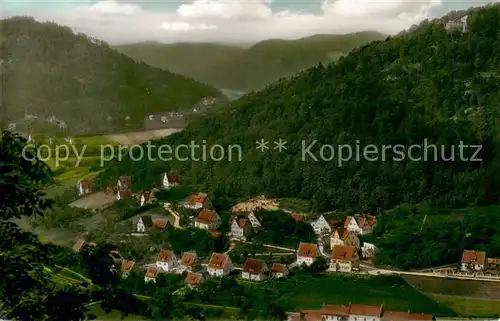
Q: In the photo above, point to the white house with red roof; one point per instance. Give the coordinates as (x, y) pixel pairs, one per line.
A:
(474, 260)
(342, 236)
(360, 224)
(197, 201)
(306, 253)
(169, 179)
(220, 265)
(207, 220)
(345, 258)
(279, 270)
(193, 280)
(254, 269)
(189, 262)
(84, 187)
(151, 274)
(166, 261)
(241, 228)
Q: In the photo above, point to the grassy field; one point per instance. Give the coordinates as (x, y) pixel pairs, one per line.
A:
(470, 307)
(295, 204)
(304, 292)
(455, 287)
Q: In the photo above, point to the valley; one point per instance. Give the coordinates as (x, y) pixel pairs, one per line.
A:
(271, 235)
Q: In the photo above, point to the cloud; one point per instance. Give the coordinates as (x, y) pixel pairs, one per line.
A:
(113, 8)
(227, 9)
(236, 20)
(184, 26)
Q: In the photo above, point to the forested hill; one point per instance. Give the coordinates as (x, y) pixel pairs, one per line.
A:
(434, 85)
(47, 70)
(236, 68)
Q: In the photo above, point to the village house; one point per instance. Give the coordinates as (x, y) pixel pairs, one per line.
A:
(126, 267)
(325, 224)
(78, 245)
(197, 201)
(254, 221)
(254, 269)
(207, 220)
(147, 223)
(279, 270)
(241, 228)
(84, 187)
(357, 312)
(151, 274)
(166, 261)
(123, 194)
(193, 280)
(306, 254)
(457, 25)
(493, 263)
(345, 258)
(189, 262)
(474, 261)
(342, 236)
(360, 224)
(169, 180)
(368, 312)
(146, 197)
(124, 183)
(368, 250)
(220, 265)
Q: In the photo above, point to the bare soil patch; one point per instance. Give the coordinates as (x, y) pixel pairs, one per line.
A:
(96, 200)
(139, 137)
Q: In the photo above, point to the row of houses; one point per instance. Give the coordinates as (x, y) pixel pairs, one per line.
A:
(357, 312)
(219, 265)
(344, 258)
(359, 224)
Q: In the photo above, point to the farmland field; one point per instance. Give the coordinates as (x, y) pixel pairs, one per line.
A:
(470, 306)
(307, 292)
(467, 288)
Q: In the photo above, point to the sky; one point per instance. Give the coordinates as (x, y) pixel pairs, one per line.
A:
(238, 21)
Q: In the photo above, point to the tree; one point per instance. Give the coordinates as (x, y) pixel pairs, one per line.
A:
(161, 304)
(319, 265)
(27, 292)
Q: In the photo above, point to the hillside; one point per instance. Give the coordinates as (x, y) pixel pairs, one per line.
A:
(434, 85)
(47, 70)
(237, 68)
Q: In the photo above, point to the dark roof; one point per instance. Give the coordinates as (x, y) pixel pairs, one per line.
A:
(147, 220)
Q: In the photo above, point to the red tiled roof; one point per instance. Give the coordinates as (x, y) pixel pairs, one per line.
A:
(86, 184)
(165, 255)
(125, 181)
(254, 266)
(160, 223)
(206, 216)
(125, 193)
(364, 221)
(193, 278)
(197, 198)
(307, 250)
(279, 268)
(172, 177)
(421, 317)
(215, 234)
(344, 252)
(396, 316)
(92, 244)
(127, 266)
(337, 310)
(217, 261)
(188, 259)
(474, 257)
(368, 310)
(297, 217)
(152, 272)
